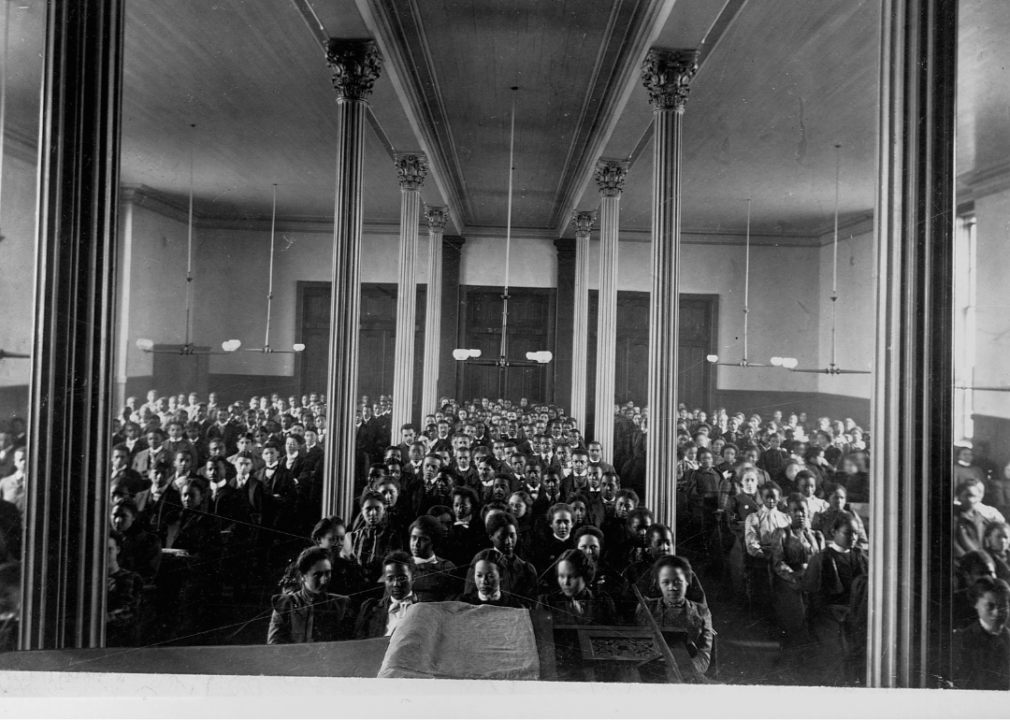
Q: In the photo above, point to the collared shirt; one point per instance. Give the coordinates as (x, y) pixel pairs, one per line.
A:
(397, 611)
(433, 560)
(838, 548)
(489, 598)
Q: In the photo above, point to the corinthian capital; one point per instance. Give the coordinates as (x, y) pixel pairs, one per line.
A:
(411, 170)
(583, 220)
(437, 217)
(610, 176)
(356, 65)
(667, 75)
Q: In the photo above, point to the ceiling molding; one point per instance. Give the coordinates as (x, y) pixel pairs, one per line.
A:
(177, 209)
(416, 85)
(978, 183)
(21, 145)
(610, 88)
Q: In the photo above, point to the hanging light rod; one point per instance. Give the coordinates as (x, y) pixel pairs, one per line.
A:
(832, 368)
(744, 361)
(187, 348)
(230, 346)
(472, 356)
(982, 388)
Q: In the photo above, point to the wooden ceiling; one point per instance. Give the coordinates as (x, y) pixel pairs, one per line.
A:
(782, 81)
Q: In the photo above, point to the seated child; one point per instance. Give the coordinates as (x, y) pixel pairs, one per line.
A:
(758, 530)
(434, 578)
(521, 505)
(608, 579)
(122, 608)
(806, 487)
(971, 517)
(791, 550)
(487, 569)
(835, 580)
(837, 496)
(759, 526)
(997, 544)
(673, 611)
(659, 543)
(615, 527)
(310, 614)
(518, 577)
(738, 507)
(346, 575)
(372, 542)
(379, 617)
(573, 603)
(970, 569)
(467, 536)
(982, 650)
(636, 547)
(557, 539)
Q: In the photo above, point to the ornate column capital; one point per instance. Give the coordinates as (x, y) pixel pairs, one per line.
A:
(667, 76)
(437, 217)
(584, 220)
(610, 175)
(356, 65)
(411, 169)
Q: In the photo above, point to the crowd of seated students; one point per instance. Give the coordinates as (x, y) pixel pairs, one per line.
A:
(495, 503)
(981, 547)
(209, 503)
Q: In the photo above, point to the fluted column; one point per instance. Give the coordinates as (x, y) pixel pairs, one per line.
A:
(67, 494)
(583, 222)
(667, 75)
(356, 65)
(610, 176)
(911, 494)
(411, 168)
(433, 317)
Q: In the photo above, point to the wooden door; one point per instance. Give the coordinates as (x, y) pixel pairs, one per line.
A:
(530, 329)
(376, 340)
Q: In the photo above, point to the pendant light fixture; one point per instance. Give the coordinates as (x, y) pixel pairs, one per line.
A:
(146, 344)
(745, 361)
(534, 358)
(234, 345)
(832, 368)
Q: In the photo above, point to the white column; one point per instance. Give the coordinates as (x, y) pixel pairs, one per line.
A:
(433, 318)
(583, 222)
(125, 272)
(356, 65)
(411, 169)
(666, 74)
(610, 176)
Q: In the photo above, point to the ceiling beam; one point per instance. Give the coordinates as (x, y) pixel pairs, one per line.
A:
(630, 37)
(416, 86)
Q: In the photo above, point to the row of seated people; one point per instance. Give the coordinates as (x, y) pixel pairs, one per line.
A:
(981, 607)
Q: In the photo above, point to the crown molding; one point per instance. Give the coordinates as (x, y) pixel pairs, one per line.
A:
(21, 145)
(987, 181)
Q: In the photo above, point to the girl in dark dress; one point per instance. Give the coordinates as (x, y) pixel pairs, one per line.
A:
(573, 603)
(488, 566)
(310, 614)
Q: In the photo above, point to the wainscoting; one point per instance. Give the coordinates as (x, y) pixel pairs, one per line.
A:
(815, 405)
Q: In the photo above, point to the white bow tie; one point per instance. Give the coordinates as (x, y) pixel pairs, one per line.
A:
(425, 561)
(464, 524)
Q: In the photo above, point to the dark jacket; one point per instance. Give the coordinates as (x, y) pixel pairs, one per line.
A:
(981, 659)
(141, 552)
(300, 618)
